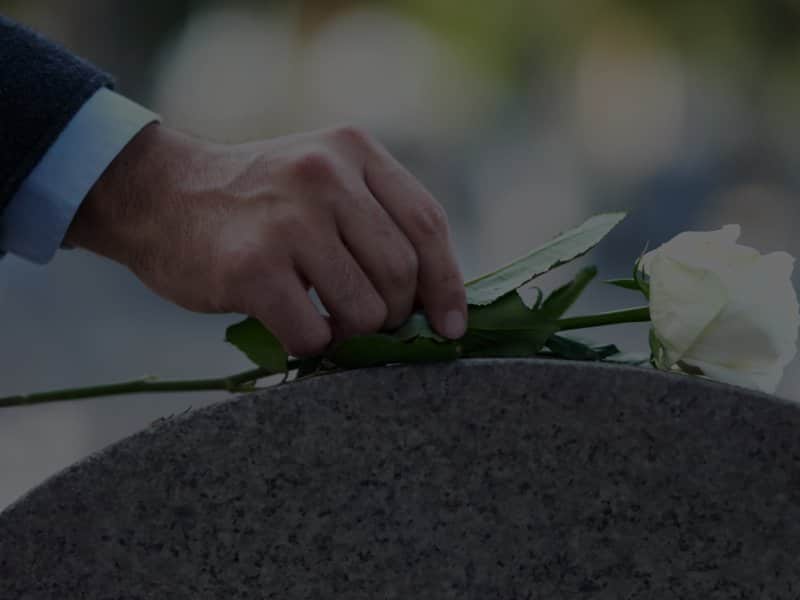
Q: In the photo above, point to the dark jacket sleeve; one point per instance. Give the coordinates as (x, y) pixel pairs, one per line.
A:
(41, 87)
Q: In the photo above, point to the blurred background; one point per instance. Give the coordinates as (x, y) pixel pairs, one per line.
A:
(523, 118)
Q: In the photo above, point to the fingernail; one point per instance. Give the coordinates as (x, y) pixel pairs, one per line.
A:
(455, 325)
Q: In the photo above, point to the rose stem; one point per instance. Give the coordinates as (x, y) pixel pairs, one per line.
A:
(241, 381)
(232, 383)
(629, 315)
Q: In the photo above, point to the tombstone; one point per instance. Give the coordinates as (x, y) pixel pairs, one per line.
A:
(510, 479)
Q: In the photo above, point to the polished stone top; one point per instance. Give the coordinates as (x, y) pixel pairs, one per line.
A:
(508, 479)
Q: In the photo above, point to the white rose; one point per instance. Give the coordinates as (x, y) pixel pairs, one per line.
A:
(723, 308)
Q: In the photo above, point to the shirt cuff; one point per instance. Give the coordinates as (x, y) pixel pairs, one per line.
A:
(36, 219)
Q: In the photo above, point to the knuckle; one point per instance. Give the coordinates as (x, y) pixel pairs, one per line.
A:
(352, 136)
(315, 167)
(430, 219)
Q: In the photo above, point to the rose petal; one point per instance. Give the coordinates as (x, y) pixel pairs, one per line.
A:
(683, 302)
(711, 250)
(757, 330)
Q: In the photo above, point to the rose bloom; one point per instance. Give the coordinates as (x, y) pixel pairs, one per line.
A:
(723, 308)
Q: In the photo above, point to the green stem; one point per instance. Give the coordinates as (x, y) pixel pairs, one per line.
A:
(233, 383)
(629, 315)
(242, 382)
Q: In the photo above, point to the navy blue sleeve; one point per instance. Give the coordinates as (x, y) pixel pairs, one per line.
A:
(42, 86)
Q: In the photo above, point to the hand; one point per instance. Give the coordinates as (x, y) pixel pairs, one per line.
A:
(251, 228)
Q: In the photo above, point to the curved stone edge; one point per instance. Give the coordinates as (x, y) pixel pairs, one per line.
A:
(635, 374)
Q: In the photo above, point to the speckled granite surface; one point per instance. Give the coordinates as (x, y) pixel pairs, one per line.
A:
(481, 480)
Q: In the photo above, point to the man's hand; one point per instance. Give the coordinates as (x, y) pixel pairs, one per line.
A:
(250, 228)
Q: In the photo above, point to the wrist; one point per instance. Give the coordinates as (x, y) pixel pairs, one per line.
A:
(119, 216)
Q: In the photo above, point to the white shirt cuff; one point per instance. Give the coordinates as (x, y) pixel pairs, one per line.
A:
(37, 217)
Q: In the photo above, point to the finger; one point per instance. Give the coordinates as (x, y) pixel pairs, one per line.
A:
(383, 252)
(282, 305)
(354, 305)
(424, 222)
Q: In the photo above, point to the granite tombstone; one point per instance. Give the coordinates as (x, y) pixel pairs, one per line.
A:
(508, 479)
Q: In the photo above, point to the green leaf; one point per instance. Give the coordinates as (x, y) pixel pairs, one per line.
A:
(638, 283)
(572, 348)
(258, 343)
(417, 326)
(563, 298)
(507, 312)
(507, 328)
(563, 249)
(628, 284)
(537, 304)
(382, 349)
(507, 343)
